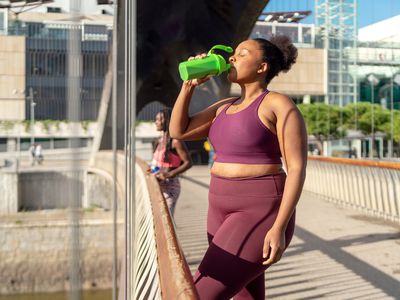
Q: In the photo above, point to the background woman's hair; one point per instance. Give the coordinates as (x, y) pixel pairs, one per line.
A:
(280, 54)
(166, 112)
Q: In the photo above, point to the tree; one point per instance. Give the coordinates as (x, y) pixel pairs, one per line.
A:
(364, 118)
(322, 120)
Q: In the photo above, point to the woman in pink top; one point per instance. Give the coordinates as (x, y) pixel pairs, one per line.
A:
(252, 200)
(171, 158)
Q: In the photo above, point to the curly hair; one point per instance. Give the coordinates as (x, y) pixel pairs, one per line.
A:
(280, 54)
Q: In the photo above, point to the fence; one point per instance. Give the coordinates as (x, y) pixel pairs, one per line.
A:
(370, 186)
(160, 270)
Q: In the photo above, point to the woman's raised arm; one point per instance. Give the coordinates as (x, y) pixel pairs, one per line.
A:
(183, 127)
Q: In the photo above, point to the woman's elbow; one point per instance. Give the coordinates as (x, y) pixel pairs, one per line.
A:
(175, 134)
(299, 170)
(187, 165)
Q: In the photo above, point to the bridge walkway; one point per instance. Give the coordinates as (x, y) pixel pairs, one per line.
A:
(336, 253)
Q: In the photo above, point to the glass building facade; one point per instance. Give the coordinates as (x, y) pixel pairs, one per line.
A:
(47, 66)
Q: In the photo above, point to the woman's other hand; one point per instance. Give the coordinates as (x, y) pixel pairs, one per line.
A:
(148, 170)
(197, 81)
(274, 245)
(162, 175)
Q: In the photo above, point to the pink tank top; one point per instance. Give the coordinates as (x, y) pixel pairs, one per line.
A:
(242, 137)
(158, 157)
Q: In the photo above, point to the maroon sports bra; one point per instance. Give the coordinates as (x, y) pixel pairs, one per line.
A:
(242, 137)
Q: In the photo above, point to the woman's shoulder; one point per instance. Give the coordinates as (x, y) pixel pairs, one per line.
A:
(278, 100)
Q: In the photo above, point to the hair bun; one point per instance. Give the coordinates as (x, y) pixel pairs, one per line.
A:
(289, 51)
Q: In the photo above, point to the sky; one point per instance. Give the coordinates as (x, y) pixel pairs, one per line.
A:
(369, 11)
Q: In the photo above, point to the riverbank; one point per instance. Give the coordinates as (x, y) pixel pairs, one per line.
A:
(35, 250)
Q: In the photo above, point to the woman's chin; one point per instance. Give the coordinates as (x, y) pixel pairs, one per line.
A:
(231, 77)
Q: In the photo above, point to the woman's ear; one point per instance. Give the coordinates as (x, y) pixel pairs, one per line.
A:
(263, 68)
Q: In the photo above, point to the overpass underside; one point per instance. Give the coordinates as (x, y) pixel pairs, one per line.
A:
(166, 35)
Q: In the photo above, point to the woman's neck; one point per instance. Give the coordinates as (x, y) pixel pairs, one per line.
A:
(251, 91)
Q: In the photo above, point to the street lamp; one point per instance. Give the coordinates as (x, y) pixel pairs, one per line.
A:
(373, 80)
(32, 119)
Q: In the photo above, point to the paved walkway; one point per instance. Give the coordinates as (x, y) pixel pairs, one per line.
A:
(336, 253)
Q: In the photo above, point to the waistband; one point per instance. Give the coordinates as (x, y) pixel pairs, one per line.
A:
(260, 177)
(264, 186)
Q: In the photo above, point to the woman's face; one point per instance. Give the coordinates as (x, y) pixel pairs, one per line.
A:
(160, 120)
(246, 63)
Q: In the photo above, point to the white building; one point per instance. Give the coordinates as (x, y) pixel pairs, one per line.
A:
(383, 31)
(88, 7)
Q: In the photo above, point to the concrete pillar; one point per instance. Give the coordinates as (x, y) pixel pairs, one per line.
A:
(327, 148)
(306, 99)
(9, 186)
(380, 143)
(11, 145)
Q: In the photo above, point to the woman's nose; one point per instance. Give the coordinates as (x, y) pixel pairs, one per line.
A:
(231, 59)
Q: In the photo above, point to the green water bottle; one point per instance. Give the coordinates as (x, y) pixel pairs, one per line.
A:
(212, 64)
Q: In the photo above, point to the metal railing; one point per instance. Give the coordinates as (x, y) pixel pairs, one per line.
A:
(370, 186)
(175, 280)
(160, 270)
(145, 277)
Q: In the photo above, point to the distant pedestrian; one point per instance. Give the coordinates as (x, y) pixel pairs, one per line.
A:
(211, 154)
(38, 154)
(170, 158)
(353, 153)
(252, 201)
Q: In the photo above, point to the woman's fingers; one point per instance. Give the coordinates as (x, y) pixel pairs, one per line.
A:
(199, 56)
(203, 79)
(266, 248)
(275, 255)
(198, 81)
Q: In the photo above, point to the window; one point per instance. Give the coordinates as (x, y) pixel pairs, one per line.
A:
(306, 35)
(262, 31)
(291, 32)
(53, 9)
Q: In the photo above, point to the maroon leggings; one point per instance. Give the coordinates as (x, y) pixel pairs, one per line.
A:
(241, 211)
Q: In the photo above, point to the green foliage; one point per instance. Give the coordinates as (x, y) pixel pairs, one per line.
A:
(7, 125)
(323, 121)
(396, 126)
(46, 124)
(27, 125)
(85, 124)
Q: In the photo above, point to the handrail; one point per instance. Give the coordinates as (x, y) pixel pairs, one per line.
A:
(357, 162)
(173, 280)
(370, 186)
(175, 277)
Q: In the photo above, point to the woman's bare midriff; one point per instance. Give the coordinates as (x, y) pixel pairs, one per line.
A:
(233, 170)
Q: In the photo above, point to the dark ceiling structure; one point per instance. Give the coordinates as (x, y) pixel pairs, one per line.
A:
(168, 32)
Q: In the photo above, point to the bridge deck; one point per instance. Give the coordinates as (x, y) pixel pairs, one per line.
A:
(336, 253)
